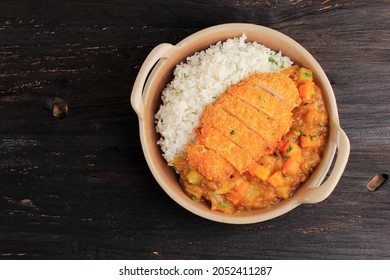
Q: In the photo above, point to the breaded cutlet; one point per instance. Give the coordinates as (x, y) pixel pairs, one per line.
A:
(243, 124)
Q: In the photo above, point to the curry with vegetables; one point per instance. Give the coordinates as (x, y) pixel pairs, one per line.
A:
(257, 142)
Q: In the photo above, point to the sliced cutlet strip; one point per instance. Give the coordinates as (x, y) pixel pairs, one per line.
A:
(208, 162)
(254, 119)
(234, 129)
(272, 106)
(281, 84)
(234, 154)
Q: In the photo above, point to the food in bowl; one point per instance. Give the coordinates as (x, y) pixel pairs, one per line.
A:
(242, 125)
(156, 73)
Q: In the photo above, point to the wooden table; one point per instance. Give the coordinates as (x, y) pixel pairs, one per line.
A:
(79, 187)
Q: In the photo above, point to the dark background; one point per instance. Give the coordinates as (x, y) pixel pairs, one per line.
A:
(79, 187)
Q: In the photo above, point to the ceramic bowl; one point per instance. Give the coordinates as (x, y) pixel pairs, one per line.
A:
(157, 71)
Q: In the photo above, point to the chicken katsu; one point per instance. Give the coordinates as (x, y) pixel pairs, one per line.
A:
(245, 122)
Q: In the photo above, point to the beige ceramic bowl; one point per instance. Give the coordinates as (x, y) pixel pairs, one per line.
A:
(157, 71)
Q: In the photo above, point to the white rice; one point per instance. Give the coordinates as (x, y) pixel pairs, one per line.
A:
(200, 80)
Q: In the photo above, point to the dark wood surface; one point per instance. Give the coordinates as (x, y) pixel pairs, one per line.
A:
(79, 187)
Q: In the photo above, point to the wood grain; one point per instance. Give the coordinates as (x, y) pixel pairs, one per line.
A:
(79, 187)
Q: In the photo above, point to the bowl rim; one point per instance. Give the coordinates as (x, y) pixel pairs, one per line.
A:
(337, 137)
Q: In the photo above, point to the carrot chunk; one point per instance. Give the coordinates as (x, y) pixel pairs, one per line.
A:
(309, 141)
(292, 150)
(306, 91)
(241, 186)
(305, 141)
(291, 166)
(310, 115)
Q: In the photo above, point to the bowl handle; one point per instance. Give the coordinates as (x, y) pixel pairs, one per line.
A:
(136, 94)
(319, 193)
